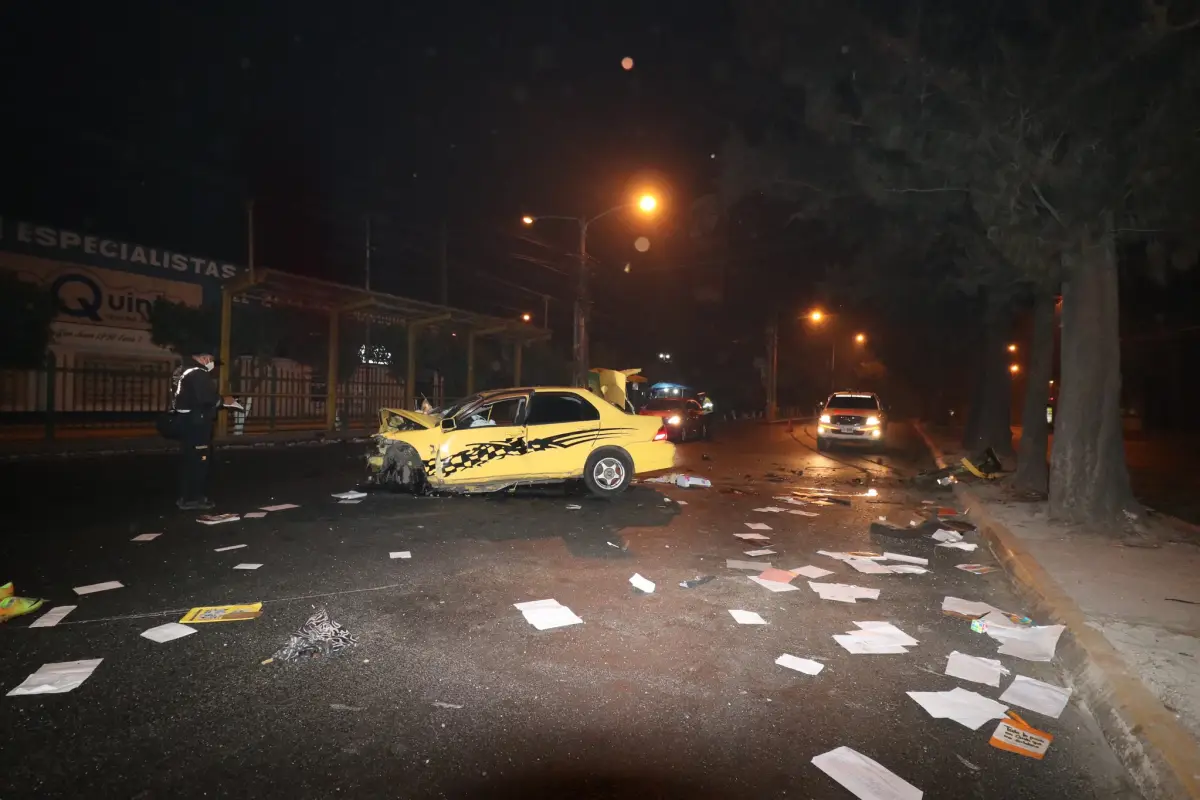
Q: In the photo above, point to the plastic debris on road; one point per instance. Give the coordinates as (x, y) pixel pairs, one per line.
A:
(1034, 695)
(57, 677)
(805, 665)
(976, 669)
(92, 588)
(746, 617)
(699, 580)
(685, 481)
(547, 614)
(947, 535)
(969, 709)
(318, 636)
(863, 777)
(234, 613)
(168, 632)
(642, 584)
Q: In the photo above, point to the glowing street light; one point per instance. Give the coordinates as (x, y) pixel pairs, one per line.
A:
(528, 220)
(816, 316)
(1014, 368)
(1012, 348)
(526, 317)
(647, 203)
(861, 338)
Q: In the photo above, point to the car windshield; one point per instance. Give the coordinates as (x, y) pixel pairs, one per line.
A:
(857, 402)
(663, 404)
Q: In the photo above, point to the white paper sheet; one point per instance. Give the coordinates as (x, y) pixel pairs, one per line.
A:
(681, 502)
(52, 617)
(168, 633)
(254, 515)
(145, 537)
(228, 547)
(353, 502)
(805, 665)
(756, 553)
(1044, 698)
(810, 572)
(869, 567)
(400, 554)
(843, 593)
(283, 507)
(864, 646)
(947, 535)
(531, 605)
(974, 668)
(747, 617)
(547, 618)
(967, 608)
(351, 495)
(840, 556)
(98, 587)
(863, 777)
(247, 566)
(906, 569)
(757, 566)
(753, 537)
(924, 562)
(800, 513)
(1036, 643)
(967, 546)
(57, 677)
(883, 632)
(768, 510)
(774, 586)
(639, 582)
(969, 709)
(758, 526)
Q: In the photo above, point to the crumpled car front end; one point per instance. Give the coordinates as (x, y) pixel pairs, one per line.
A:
(394, 455)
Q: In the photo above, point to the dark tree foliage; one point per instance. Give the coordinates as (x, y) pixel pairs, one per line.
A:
(26, 311)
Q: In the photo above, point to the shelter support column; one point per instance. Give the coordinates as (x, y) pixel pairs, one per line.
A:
(331, 376)
(225, 356)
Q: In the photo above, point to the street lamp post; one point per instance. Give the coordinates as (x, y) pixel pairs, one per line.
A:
(818, 317)
(580, 344)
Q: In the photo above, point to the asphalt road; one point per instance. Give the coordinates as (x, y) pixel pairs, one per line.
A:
(654, 696)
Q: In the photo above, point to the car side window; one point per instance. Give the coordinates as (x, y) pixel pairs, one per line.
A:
(498, 414)
(548, 408)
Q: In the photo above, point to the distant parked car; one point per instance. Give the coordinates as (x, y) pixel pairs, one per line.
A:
(684, 418)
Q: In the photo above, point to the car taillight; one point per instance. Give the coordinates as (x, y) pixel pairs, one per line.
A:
(661, 436)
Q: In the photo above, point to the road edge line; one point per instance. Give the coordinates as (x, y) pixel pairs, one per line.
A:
(1159, 754)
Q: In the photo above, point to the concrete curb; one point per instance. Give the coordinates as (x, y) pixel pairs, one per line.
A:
(1160, 754)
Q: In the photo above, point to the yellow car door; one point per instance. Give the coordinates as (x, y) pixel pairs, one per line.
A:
(486, 444)
(560, 431)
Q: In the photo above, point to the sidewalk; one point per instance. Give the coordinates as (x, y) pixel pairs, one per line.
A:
(1134, 619)
(40, 448)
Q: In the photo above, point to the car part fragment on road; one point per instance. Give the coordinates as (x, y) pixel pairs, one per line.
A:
(699, 580)
(168, 632)
(52, 617)
(746, 617)
(92, 588)
(57, 677)
(547, 614)
(234, 613)
(969, 709)
(976, 669)
(805, 665)
(641, 584)
(863, 777)
(318, 636)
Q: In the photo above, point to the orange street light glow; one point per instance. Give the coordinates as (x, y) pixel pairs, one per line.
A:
(860, 338)
(1012, 348)
(527, 220)
(1014, 368)
(526, 317)
(816, 316)
(647, 203)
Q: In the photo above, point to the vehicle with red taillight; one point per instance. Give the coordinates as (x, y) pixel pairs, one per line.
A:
(684, 418)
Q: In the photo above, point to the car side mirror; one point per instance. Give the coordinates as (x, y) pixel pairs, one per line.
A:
(448, 424)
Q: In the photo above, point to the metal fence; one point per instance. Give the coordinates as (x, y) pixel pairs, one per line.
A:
(81, 402)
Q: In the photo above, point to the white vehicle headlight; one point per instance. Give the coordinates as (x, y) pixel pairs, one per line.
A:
(825, 419)
(872, 420)
(674, 420)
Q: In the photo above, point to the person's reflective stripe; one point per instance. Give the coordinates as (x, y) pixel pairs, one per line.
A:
(179, 388)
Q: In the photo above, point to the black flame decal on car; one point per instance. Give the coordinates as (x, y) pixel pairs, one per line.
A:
(483, 452)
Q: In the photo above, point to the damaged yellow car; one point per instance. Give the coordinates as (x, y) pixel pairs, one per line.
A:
(510, 437)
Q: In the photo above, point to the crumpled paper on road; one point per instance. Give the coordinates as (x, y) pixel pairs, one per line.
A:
(319, 636)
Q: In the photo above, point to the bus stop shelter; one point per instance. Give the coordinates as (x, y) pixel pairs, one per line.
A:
(337, 301)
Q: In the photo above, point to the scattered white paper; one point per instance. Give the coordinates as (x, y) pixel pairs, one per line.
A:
(168, 633)
(968, 709)
(906, 569)
(757, 566)
(843, 593)
(800, 513)
(753, 537)
(840, 556)
(400, 554)
(967, 608)
(353, 502)
(639, 582)
(247, 566)
(973, 668)
(228, 547)
(547, 614)
(864, 778)
(774, 586)
(998, 619)
(574, 507)
(947, 535)
(747, 617)
(968, 546)
(884, 632)
(810, 572)
(1044, 698)
(805, 665)
(254, 515)
(283, 507)
(681, 502)
(756, 553)
(768, 510)
(1037, 643)
(862, 646)
(867, 566)
(52, 617)
(98, 587)
(924, 562)
(351, 495)
(218, 519)
(57, 677)
(758, 526)
(146, 537)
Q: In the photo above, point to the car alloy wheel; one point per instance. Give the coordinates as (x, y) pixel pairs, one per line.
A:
(609, 473)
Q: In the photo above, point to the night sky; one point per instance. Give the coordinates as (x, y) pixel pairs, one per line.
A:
(156, 122)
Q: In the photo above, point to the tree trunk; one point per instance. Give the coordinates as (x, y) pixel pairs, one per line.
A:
(1033, 473)
(989, 418)
(1089, 481)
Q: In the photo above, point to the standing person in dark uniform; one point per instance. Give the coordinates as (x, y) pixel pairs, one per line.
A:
(196, 402)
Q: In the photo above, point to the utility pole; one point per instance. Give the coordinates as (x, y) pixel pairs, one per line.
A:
(444, 286)
(367, 254)
(545, 312)
(773, 369)
(250, 236)
(581, 311)
(832, 362)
